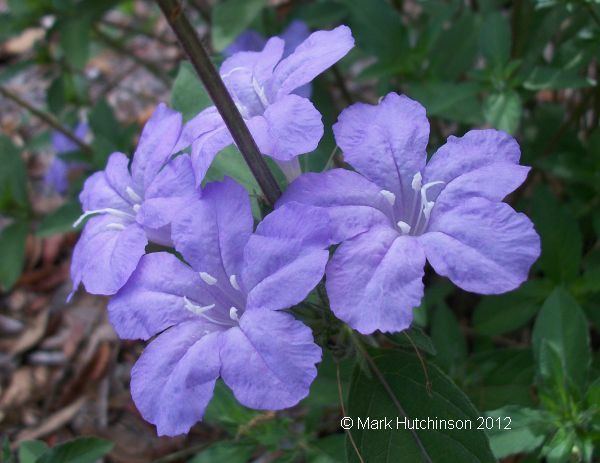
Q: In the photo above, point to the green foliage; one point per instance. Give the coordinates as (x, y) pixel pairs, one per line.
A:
(80, 450)
(13, 178)
(231, 17)
(12, 250)
(188, 95)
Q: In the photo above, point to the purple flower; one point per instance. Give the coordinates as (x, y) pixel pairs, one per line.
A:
(57, 175)
(219, 316)
(131, 207)
(283, 124)
(396, 210)
(293, 35)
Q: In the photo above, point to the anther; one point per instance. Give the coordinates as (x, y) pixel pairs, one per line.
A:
(427, 209)
(417, 181)
(136, 207)
(233, 282)
(233, 314)
(133, 195)
(404, 227)
(115, 226)
(208, 278)
(391, 197)
(195, 308)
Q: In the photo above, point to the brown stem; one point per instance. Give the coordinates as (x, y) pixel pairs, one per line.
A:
(187, 36)
(47, 118)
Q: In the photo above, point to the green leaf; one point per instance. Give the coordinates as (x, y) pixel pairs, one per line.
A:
(456, 102)
(421, 397)
(330, 449)
(562, 245)
(524, 431)
(562, 324)
(549, 78)
(503, 110)
(188, 95)
(495, 39)
(75, 40)
(413, 337)
(231, 17)
(230, 452)
(61, 220)
(13, 177)
(81, 450)
(12, 250)
(448, 339)
(230, 162)
(496, 315)
(31, 450)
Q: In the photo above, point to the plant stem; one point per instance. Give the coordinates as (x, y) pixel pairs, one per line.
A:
(187, 36)
(47, 118)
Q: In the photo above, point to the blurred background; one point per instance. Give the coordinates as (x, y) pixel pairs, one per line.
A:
(78, 78)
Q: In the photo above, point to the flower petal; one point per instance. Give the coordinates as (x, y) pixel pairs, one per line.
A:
(174, 378)
(375, 280)
(248, 40)
(203, 123)
(269, 361)
(153, 298)
(108, 188)
(386, 143)
(205, 148)
(211, 232)
(461, 155)
(159, 136)
(354, 203)
(482, 246)
(286, 257)
(105, 258)
(295, 127)
(170, 191)
(319, 51)
(293, 35)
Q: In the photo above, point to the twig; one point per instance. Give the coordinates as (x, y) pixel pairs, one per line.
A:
(137, 31)
(341, 396)
(188, 37)
(47, 118)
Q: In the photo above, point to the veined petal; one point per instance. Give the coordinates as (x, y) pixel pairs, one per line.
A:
(248, 40)
(385, 142)
(154, 298)
(293, 35)
(319, 51)
(375, 280)
(108, 188)
(105, 257)
(203, 123)
(205, 148)
(159, 136)
(211, 232)
(482, 246)
(174, 378)
(269, 360)
(354, 204)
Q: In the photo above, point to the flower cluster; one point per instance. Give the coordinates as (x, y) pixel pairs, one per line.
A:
(211, 302)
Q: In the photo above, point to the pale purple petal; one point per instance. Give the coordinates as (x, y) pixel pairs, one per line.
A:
(354, 203)
(104, 258)
(247, 41)
(207, 121)
(153, 298)
(107, 188)
(156, 144)
(293, 35)
(269, 361)
(375, 280)
(170, 191)
(482, 246)
(286, 257)
(206, 148)
(211, 233)
(62, 144)
(295, 127)
(385, 142)
(493, 182)
(174, 378)
(56, 177)
(476, 149)
(319, 51)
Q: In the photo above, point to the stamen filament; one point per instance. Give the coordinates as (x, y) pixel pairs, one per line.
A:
(108, 210)
(133, 195)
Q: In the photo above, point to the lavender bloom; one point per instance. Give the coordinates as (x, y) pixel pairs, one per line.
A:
(293, 35)
(57, 175)
(219, 316)
(283, 124)
(397, 210)
(131, 207)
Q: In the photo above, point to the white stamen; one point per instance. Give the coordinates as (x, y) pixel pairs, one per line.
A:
(239, 68)
(427, 209)
(234, 283)
(416, 181)
(108, 210)
(391, 197)
(115, 226)
(404, 227)
(133, 195)
(195, 308)
(260, 92)
(208, 278)
(136, 207)
(233, 314)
